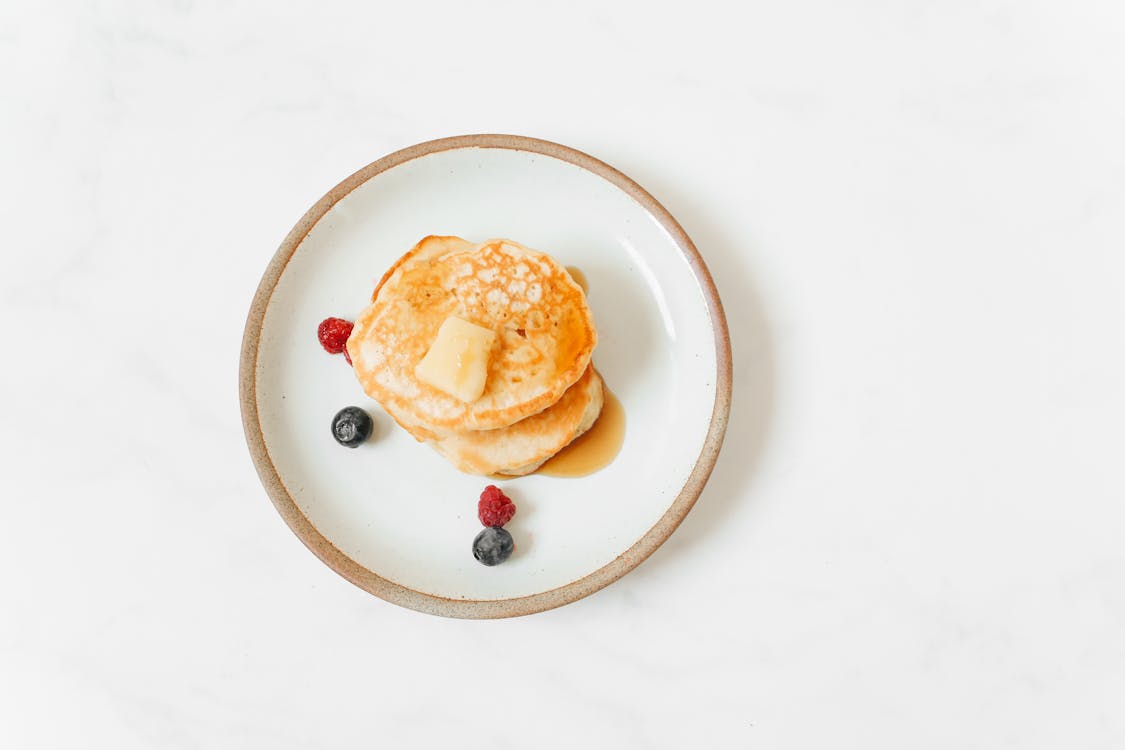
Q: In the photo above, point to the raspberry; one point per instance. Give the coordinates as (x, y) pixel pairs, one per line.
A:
(333, 334)
(495, 508)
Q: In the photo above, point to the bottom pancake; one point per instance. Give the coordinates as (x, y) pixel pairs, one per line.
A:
(522, 447)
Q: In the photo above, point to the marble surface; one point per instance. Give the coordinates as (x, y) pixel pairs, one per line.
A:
(916, 215)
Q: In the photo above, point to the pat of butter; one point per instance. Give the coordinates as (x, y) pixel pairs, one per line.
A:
(457, 362)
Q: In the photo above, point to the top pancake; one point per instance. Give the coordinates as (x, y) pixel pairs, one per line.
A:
(545, 331)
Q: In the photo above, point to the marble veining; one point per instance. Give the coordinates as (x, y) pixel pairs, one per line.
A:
(913, 213)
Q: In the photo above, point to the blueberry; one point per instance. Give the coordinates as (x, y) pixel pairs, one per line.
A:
(493, 546)
(351, 426)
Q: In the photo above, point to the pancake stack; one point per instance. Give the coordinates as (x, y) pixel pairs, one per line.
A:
(540, 390)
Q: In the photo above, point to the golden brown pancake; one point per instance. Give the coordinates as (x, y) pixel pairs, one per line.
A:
(545, 333)
(522, 447)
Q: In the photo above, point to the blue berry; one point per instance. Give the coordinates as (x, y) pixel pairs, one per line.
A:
(493, 546)
(351, 426)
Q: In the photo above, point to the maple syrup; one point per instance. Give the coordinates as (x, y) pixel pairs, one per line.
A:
(579, 278)
(593, 450)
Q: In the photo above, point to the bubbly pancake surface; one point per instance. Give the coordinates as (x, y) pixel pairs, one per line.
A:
(545, 333)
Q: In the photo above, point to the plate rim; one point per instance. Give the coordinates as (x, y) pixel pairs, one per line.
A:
(396, 593)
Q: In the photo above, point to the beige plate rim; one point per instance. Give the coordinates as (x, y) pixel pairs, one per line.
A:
(467, 608)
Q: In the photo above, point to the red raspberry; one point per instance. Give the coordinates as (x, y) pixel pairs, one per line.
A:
(495, 508)
(333, 334)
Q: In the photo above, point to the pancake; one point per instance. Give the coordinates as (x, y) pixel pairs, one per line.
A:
(522, 447)
(545, 333)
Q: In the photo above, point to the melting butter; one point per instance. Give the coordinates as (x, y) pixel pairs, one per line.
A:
(457, 361)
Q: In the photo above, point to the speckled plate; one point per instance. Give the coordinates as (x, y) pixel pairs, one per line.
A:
(392, 516)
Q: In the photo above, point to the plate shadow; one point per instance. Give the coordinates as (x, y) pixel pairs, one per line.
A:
(752, 353)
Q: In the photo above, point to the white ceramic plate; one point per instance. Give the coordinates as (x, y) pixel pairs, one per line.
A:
(395, 518)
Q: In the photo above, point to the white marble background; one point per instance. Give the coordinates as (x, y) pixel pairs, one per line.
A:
(916, 215)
